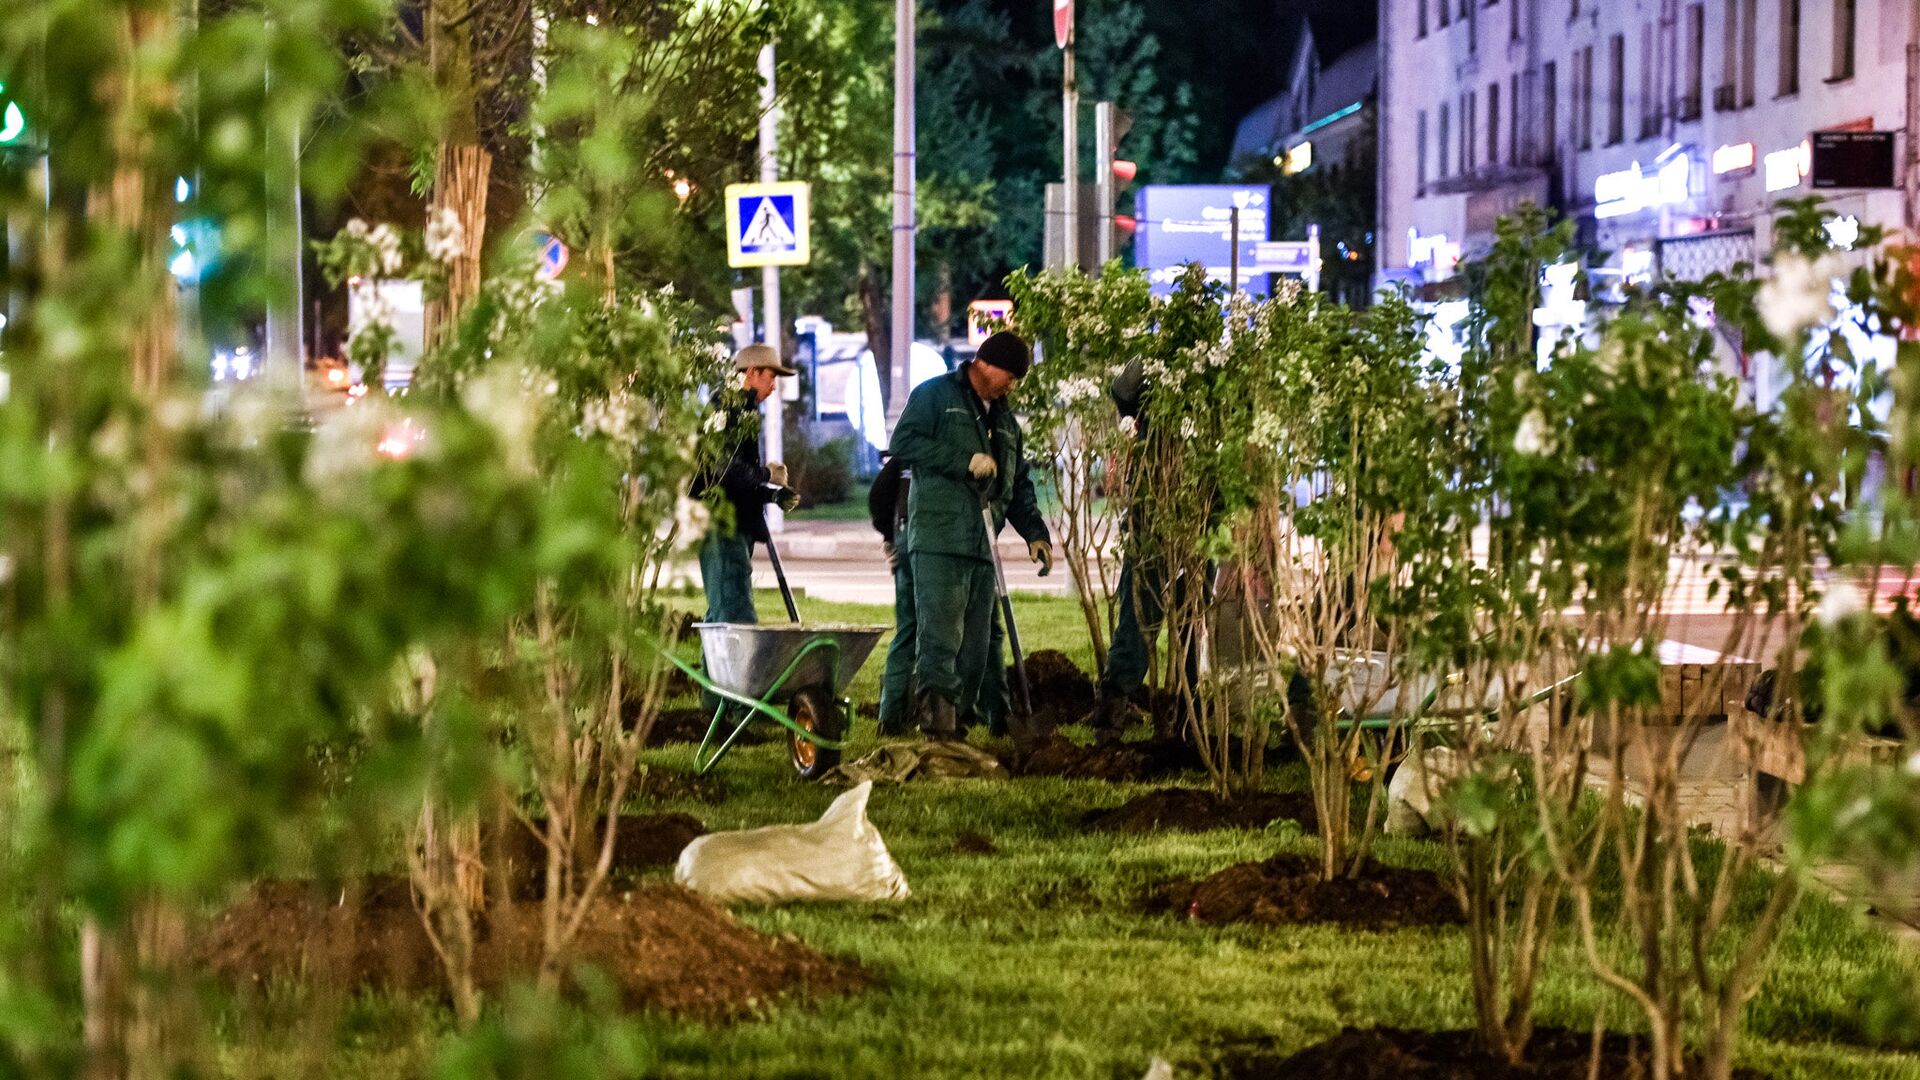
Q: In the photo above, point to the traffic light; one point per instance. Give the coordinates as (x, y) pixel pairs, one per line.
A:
(15, 132)
(1111, 173)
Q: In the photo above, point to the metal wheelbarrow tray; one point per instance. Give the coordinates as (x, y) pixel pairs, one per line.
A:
(793, 674)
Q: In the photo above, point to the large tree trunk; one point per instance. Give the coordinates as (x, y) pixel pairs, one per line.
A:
(876, 311)
(462, 166)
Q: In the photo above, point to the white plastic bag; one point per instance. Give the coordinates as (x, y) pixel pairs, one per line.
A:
(839, 857)
(1421, 778)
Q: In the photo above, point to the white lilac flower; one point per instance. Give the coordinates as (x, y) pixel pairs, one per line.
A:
(1532, 437)
(1074, 391)
(1187, 429)
(1798, 295)
(446, 238)
(357, 229)
(1129, 426)
(499, 399)
(386, 244)
(1841, 602)
(1267, 429)
(717, 421)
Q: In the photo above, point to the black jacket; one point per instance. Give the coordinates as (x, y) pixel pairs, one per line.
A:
(739, 472)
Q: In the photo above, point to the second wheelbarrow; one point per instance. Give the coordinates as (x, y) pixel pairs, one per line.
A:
(792, 674)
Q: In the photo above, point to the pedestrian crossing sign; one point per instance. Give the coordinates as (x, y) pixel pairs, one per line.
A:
(767, 224)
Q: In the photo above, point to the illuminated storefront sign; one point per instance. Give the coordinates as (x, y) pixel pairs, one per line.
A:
(1433, 253)
(1732, 157)
(1634, 189)
(1785, 169)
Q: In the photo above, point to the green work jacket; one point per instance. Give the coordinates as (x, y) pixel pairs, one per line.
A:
(940, 430)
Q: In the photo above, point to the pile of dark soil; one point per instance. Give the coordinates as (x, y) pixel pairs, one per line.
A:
(1287, 889)
(1129, 762)
(664, 947)
(681, 725)
(642, 842)
(657, 784)
(1197, 810)
(1394, 1054)
(1062, 693)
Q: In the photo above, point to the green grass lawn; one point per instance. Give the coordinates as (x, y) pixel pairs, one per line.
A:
(1036, 962)
(852, 508)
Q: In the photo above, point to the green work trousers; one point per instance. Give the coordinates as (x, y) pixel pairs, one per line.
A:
(953, 624)
(983, 678)
(726, 573)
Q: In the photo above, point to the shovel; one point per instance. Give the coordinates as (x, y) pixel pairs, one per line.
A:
(1024, 730)
(780, 574)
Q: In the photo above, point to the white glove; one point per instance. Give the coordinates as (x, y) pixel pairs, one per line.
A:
(982, 467)
(776, 474)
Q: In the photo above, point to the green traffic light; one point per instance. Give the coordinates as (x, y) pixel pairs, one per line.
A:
(13, 120)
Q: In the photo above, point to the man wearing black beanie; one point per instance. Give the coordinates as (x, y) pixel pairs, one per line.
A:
(966, 451)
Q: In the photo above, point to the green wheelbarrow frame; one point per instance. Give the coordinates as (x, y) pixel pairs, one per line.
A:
(728, 698)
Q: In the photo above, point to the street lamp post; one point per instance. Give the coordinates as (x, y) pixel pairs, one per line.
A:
(773, 421)
(903, 210)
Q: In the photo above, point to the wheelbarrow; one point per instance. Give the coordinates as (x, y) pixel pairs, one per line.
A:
(793, 675)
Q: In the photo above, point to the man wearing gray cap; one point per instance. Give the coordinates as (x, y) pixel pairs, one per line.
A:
(726, 555)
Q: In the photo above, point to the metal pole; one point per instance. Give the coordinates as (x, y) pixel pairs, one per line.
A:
(1233, 256)
(1070, 152)
(1313, 258)
(1103, 180)
(773, 411)
(903, 210)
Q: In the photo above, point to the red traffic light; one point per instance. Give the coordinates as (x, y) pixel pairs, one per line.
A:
(1124, 169)
(1125, 222)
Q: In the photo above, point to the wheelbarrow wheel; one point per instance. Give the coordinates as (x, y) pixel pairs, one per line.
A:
(814, 710)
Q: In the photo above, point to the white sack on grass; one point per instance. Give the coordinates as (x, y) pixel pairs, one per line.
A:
(839, 857)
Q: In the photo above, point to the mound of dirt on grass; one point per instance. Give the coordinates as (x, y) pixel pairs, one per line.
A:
(642, 842)
(974, 843)
(1131, 762)
(666, 949)
(1287, 889)
(682, 725)
(1062, 693)
(1396, 1054)
(1196, 810)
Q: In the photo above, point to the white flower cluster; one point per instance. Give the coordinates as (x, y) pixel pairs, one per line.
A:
(1798, 295)
(382, 239)
(716, 421)
(1267, 430)
(1074, 391)
(446, 238)
(615, 417)
(1842, 601)
(500, 398)
(1188, 430)
(1532, 436)
(687, 525)
(1129, 426)
(371, 310)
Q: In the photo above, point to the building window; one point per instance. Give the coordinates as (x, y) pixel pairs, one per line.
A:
(1789, 47)
(1649, 100)
(1446, 134)
(1549, 113)
(1583, 97)
(1420, 20)
(1473, 25)
(1616, 89)
(1846, 18)
(1420, 153)
(1749, 31)
(1466, 9)
(1696, 62)
(1493, 124)
(1514, 156)
(1513, 21)
(1469, 134)
(1725, 94)
(1445, 13)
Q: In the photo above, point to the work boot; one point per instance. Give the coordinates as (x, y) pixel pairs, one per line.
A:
(1110, 718)
(938, 719)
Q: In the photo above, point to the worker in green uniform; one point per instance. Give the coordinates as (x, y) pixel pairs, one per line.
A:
(964, 448)
(726, 553)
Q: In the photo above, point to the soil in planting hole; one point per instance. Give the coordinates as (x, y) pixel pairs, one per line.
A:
(1395, 1054)
(1197, 810)
(1286, 889)
(642, 842)
(666, 948)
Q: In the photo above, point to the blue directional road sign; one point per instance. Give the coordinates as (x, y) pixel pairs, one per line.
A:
(768, 224)
(553, 255)
(1193, 223)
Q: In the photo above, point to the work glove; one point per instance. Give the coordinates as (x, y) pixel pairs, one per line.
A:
(1041, 551)
(893, 555)
(786, 499)
(776, 474)
(982, 467)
